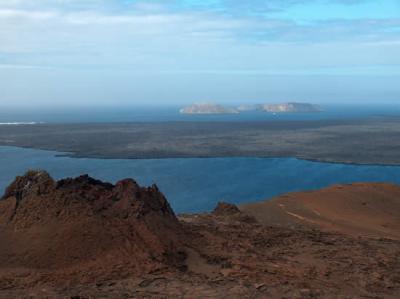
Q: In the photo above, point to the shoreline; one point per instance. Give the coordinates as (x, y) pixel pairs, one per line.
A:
(362, 142)
(234, 179)
(73, 155)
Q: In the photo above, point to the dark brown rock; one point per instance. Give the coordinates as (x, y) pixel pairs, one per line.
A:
(83, 220)
(225, 209)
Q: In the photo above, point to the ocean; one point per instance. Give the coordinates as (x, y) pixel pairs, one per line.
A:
(196, 185)
(171, 113)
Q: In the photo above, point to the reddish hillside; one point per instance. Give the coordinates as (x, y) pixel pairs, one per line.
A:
(371, 209)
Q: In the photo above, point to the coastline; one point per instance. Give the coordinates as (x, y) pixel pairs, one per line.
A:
(202, 181)
(355, 142)
(61, 154)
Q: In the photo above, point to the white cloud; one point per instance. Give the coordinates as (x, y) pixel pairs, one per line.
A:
(25, 15)
(150, 37)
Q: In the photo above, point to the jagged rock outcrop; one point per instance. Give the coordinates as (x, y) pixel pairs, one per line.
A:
(85, 221)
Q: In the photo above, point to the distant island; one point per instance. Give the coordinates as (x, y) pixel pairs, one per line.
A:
(208, 108)
(291, 107)
(247, 108)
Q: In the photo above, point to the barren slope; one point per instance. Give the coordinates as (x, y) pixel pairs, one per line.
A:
(371, 209)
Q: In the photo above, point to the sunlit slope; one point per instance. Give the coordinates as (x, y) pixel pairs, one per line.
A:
(371, 209)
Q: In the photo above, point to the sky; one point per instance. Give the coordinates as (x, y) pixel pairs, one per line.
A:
(162, 52)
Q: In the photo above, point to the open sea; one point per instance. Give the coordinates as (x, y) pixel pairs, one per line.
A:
(171, 113)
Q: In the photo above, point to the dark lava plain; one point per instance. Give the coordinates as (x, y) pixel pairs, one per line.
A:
(366, 141)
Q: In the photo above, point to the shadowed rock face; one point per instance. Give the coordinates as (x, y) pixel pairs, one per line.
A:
(83, 237)
(122, 200)
(85, 221)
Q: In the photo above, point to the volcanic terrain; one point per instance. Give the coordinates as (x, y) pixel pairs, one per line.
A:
(371, 209)
(83, 238)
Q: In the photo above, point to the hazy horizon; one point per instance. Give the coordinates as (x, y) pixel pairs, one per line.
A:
(76, 53)
(153, 106)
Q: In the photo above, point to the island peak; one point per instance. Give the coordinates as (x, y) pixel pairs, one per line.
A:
(208, 108)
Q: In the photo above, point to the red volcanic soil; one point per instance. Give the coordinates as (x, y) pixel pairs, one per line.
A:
(371, 209)
(82, 238)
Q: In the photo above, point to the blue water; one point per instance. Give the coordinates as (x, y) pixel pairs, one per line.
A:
(171, 113)
(194, 185)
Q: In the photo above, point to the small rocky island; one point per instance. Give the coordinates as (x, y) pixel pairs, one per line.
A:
(208, 108)
(291, 108)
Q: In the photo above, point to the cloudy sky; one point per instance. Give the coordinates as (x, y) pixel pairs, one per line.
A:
(126, 52)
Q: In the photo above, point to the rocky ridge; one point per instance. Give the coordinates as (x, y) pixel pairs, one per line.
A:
(83, 238)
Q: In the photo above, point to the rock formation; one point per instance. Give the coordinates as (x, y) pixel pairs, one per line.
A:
(83, 238)
(290, 107)
(208, 108)
(87, 223)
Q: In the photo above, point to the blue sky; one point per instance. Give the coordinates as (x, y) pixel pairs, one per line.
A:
(122, 52)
